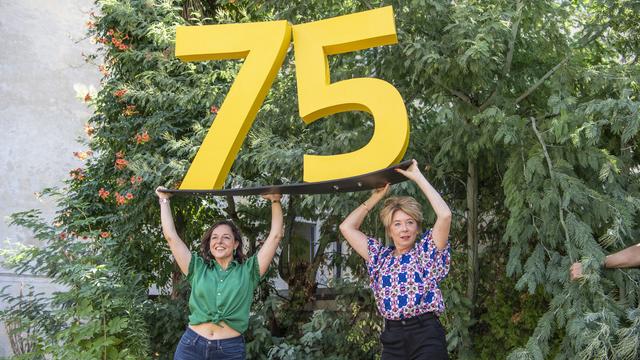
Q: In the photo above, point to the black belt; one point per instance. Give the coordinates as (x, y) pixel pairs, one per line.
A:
(412, 321)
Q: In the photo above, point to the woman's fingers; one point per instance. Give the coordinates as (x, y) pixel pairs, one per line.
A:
(382, 188)
(272, 197)
(407, 173)
(161, 194)
(381, 191)
(412, 171)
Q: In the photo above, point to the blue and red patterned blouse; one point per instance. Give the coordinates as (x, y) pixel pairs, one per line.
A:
(407, 285)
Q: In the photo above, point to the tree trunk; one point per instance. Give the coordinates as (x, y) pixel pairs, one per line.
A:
(472, 231)
(246, 232)
(283, 262)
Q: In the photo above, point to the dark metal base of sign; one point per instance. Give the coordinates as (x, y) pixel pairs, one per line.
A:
(367, 181)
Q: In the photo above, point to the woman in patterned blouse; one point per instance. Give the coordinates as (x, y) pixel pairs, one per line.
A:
(405, 276)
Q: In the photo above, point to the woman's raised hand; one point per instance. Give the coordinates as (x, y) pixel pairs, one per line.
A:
(161, 194)
(576, 271)
(413, 172)
(378, 194)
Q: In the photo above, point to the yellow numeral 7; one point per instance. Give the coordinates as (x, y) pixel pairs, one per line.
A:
(264, 45)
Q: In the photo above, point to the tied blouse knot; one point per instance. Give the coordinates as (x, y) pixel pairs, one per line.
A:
(219, 294)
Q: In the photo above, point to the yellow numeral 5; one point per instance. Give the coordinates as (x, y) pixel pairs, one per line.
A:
(264, 45)
(317, 97)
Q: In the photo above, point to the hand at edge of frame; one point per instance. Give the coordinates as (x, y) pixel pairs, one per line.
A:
(575, 271)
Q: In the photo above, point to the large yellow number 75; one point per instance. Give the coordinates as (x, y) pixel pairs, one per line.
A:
(264, 46)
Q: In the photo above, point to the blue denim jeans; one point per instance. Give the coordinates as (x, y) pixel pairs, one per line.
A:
(195, 347)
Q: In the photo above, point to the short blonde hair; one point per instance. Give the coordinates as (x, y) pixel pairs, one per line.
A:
(405, 203)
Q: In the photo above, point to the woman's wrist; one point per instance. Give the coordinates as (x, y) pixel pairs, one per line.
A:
(420, 178)
(370, 203)
(163, 200)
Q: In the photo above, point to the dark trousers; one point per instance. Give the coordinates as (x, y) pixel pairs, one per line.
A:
(416, 338)
(195, 347)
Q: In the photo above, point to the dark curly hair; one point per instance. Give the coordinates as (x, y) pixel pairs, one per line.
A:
(205, 250)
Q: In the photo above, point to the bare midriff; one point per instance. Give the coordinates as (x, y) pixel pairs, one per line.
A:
(213, 331)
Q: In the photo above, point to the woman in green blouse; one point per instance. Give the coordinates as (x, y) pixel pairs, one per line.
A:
(222, 283)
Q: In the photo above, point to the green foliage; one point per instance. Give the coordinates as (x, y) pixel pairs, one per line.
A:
(169, 316)
(350, 332)
(98, 316)
(540, 98)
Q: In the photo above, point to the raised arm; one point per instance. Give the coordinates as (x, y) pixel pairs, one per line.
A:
(179, 250)
(268, 249)
(440, 230)
(350, 227)
(629, 257)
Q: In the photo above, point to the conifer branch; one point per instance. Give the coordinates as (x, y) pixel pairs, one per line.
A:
(368, 4)
(542, 80)
(457, 93)
(580, 43)
(488, 101)
(552, 175)
(509, 57)
(514, 33)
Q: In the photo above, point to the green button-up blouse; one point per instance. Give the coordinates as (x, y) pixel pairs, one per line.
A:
(222, 295)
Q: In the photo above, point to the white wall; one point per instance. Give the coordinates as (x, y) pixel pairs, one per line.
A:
(41, 45)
